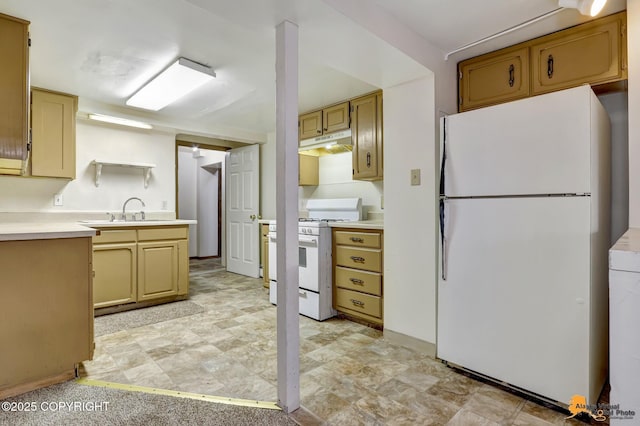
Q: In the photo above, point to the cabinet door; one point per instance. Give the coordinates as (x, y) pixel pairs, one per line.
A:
(53, 123)
(14, 108)
(335, 118)
(367, 139)
(494, 78)
(157, 269)
(308, 173)
(114, 266)
(310, 125)
(592, 53)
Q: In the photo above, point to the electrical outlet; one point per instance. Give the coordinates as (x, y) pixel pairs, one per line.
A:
(165, 205)
(415, 176)
(57, 199)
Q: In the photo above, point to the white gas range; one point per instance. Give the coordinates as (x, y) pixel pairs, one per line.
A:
(314, 254)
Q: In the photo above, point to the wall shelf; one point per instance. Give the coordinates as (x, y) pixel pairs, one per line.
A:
(146, 169)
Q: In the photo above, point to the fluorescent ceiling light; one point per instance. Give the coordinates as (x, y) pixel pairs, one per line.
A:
(120, 121)
(180, 78)
(585, 7)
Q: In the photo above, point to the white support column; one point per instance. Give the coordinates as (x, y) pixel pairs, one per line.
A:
(287, 215)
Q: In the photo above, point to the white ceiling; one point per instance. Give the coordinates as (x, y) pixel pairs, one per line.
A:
(104, 50)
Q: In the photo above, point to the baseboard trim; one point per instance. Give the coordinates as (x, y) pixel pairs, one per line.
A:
(423, 346)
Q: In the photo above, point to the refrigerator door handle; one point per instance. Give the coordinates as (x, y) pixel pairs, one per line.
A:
(444, 154)
(443, 243)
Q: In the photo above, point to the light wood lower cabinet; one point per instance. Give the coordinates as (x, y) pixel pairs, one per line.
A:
(46, 310)
(358, 274)
(115, 274)
(157, 269)
(135, 267)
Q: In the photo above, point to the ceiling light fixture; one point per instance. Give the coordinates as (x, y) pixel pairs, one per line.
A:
(585, 7)
(181, 77)
(120, 121)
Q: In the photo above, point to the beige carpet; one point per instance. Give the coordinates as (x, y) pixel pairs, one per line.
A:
(107, 324)
(71, 403)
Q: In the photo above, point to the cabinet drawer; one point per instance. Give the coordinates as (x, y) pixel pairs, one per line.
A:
(359, 258)
(353, 279)
(360, 239)
(173, 233)
(115, 236)
(359, 302)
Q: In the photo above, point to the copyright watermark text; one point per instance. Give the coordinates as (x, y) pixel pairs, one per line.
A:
(53, 406)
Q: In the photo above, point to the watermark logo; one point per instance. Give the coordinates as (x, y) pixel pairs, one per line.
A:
(598, 412)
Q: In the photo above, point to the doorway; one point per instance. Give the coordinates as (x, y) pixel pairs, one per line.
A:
(201, 196)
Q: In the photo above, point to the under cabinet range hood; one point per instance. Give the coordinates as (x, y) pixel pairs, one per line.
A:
(332, 143)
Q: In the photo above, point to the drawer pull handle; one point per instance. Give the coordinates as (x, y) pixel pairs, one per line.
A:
(356, 281)
(511, 75)
(357, 239)
(357, 259)
(357, 303)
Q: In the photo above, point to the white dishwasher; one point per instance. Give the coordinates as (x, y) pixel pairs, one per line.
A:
(624, 323)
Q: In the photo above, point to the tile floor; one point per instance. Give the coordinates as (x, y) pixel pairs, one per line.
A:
(350, 374)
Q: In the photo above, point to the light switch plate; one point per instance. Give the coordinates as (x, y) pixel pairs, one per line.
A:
(57, 199)
(415, 176)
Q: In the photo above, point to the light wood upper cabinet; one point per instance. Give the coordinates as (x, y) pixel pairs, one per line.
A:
(591, 53)
(308, 170)
(14, 87)
(310, 125)
(494, 78)
(327, 120)
(335, 118)
(53, 126)
(366, 133)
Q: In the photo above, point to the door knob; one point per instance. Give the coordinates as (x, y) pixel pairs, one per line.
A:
(252, 217)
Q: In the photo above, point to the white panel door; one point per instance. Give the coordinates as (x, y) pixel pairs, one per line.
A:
(243, 186)
(515, 302)
(538, 145)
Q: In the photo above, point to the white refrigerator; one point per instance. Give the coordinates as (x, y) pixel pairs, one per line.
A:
(524, 219)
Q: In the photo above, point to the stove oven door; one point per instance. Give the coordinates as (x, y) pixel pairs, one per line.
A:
(308, 256)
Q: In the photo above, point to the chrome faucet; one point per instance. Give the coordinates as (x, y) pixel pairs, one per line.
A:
(124, 206)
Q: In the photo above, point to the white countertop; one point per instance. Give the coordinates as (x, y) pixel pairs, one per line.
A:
(364, 224)
(625, 253)
(134, 223)
(43, 231)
